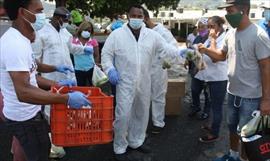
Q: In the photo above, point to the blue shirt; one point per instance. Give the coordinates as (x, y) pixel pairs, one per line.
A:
(264, 24)
(84, 62)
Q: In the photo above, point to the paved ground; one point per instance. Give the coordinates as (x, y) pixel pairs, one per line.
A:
(178, 142)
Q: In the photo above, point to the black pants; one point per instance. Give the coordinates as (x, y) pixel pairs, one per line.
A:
(33, 137)
(197, 86)
(84, 78)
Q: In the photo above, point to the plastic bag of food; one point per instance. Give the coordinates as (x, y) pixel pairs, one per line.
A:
(99, 78)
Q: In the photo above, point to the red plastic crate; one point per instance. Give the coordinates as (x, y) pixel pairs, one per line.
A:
(71, 127)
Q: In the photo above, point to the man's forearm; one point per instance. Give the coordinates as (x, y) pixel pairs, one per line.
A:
(44, 68)
(265, 77)
(44, 83)
(35, 95)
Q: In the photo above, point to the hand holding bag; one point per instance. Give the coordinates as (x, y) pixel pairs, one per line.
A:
(99, 77)
(257, 146)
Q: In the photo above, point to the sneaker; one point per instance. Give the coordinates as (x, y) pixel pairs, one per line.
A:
(156, 129)
(143, 148)
(226, 157)
(203, 116)
(208, 138)
(194, 112)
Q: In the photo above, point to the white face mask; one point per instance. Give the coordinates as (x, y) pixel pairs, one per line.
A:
(85, 34)
(135, 23)
(40, 20)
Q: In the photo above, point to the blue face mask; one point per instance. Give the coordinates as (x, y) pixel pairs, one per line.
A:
(40, 20)
(85, 34)
(135, 23)
(267, 14)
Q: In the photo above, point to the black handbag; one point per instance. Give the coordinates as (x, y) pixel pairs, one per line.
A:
(257, 147)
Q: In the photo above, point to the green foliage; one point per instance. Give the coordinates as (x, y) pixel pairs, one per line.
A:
(102, 8)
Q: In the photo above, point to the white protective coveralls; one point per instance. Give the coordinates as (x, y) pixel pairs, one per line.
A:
(54, 48)
(133, 61)
(159, 80)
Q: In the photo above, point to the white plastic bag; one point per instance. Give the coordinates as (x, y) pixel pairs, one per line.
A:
(250, 128)
(99, 78)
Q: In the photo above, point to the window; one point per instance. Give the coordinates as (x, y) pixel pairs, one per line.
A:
(181, 10)
(252, 15)
(162, 14)
(171, 15)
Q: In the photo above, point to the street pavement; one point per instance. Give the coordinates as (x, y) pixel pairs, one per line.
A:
(177, 142)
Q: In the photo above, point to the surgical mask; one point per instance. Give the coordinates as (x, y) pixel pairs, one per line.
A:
(135, 23)
(85, 34)
(65, 24)
(266, 14)
(234, 19)
(40, 20)
(203, 33)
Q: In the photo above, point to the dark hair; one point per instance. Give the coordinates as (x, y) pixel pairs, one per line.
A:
(134, 6)
(12, 7)
(146, 13)
(218, 20)
(243, 7)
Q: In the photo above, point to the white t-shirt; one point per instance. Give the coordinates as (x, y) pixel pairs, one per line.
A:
(191, 37)
(217, 71)
(16, 55)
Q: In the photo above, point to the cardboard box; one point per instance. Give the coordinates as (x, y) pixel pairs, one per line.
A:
(176, 87)
(173, 106)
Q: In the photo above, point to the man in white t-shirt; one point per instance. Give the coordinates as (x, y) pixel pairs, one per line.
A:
(20, 85)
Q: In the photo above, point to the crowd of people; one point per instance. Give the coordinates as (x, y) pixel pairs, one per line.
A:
(35, 55)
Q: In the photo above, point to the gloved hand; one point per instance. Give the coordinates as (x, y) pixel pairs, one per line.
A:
(77, 100)
(63, 69)
(88, 50)
(184, 51)
(67, 82)
(114, 76)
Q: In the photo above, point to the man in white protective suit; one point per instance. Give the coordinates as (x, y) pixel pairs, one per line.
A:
(127, 60)
(159, 76)
(53, 46)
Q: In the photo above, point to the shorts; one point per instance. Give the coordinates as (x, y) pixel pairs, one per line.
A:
(239, 112)
(32, 136)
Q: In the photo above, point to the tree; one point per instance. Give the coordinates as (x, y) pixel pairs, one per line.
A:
(108, 8)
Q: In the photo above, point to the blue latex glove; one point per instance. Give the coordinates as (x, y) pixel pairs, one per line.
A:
(77, 99)
(67, 82)
(88, 50)
(64, 69)
(114, 76)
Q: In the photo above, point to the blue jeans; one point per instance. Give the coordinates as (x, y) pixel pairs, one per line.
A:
(240, 112)
(217, 94)
(196, 89)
